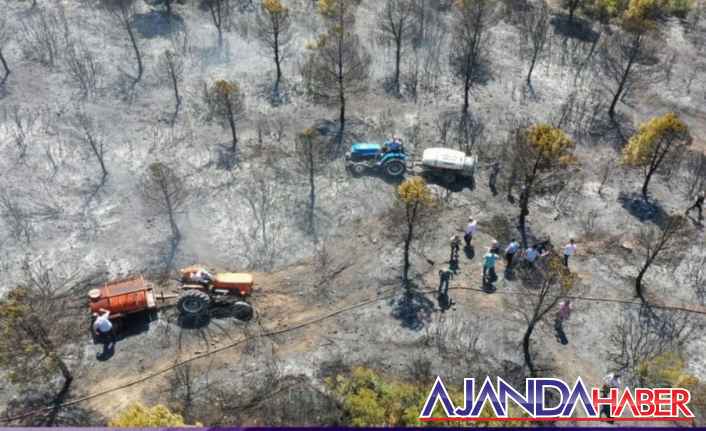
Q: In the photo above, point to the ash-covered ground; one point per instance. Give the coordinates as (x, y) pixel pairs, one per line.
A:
(338, 288)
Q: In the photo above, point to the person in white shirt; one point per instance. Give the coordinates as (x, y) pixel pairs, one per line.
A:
(569, 250)
(102, 325)
(470, 231)
(103, 328)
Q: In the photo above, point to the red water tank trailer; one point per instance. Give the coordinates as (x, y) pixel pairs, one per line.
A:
(121, 297)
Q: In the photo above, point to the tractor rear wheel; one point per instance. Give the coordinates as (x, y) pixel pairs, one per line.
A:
(193, 303)
(243, 311)
(395, 168)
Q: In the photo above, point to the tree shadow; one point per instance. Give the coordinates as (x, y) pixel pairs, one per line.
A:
(579, 28)
(157, 24)
(413, 309)
(35, 400)
(560, 334)
(643, 210)
(489, 285)
(226, 159)
(273, 94)
(354, 131)
(612, 131)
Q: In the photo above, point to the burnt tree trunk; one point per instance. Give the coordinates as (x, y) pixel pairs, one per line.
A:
(639, 288)
(278, 63)
(398, 59)
(312, 188)
(411, 219)
(634, 52)
(5, 67)
(138, 55)
(526, 339)
(231, 123)
(531, 69)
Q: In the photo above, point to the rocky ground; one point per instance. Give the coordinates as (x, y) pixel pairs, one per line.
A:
(332, 300)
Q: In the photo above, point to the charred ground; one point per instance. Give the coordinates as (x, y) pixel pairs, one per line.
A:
(328, 292)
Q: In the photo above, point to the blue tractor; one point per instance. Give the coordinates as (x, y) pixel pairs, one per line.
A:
(388, 158)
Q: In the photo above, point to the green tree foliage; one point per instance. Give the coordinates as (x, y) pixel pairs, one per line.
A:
(371, 399)
(140, 416)
(668, 370)
(605, 10)
(539, 153)
(658, 142)
(414, 197)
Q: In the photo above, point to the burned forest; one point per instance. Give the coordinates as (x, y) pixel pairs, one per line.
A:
(307, 212)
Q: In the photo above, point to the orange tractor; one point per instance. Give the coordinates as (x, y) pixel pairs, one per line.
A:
(199, 290)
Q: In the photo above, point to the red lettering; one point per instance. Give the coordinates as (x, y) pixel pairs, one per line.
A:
(660, 401)
(612, 399)
(626, 399)
(680, 397)
(645, 399)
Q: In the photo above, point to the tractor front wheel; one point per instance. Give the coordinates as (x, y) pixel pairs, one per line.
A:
(358, 169)
(193, 303)
(243, 311)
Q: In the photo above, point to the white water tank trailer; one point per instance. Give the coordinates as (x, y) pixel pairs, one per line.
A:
(449, 160)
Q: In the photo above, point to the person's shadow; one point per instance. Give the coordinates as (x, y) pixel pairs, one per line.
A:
(453, 266)
(509, 273)
(108, 349)
(445, 301)
(560, 334)
(469, 251)
(489, 286)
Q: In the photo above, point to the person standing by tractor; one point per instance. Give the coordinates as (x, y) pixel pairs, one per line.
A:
(469, 231)
(103, 328)
(698, 205)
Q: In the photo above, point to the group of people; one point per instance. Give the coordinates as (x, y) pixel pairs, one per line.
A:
(531, 254)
